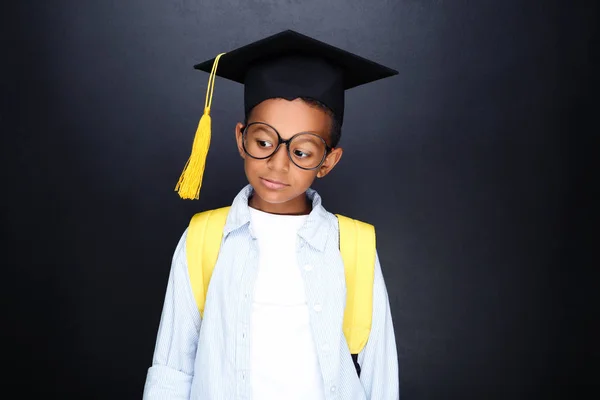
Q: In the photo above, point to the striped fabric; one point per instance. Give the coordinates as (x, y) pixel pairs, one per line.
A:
(209, 358)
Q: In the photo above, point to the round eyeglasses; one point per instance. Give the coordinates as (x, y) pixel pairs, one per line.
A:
(306, 150)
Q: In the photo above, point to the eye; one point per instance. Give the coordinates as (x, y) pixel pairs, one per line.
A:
(301, 154)
(263, 143)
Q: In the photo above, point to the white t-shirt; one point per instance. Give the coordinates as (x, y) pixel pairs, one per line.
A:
(284, 362)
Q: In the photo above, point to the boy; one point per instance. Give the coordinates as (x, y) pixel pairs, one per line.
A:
(272, 321)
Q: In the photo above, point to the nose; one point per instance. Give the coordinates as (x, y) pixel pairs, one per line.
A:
(280, 160)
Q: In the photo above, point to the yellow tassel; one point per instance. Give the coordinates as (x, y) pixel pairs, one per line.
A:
(190, 181)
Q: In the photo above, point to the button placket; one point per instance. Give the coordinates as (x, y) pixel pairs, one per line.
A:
(247, 285)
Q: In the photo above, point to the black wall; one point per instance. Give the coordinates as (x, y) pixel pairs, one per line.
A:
(474, 164)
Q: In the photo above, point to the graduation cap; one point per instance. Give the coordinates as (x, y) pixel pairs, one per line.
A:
(286, 65)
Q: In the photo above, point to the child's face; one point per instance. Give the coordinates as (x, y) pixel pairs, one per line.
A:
(278, 183)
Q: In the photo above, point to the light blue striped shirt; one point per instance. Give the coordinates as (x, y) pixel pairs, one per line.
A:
(209, 358)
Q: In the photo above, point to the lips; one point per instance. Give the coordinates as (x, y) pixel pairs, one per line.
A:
(273, 184)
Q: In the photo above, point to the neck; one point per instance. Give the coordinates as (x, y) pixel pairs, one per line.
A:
(299, 206)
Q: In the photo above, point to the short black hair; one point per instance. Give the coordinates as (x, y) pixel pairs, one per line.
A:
(335, 132)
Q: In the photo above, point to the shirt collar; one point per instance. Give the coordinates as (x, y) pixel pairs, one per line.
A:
(313, 231)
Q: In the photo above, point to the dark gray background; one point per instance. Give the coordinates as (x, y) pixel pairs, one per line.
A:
(472, 165)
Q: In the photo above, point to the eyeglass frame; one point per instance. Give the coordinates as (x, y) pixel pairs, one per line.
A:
(287, 145)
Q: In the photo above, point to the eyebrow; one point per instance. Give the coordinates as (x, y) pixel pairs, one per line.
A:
(260, 127)
(322, 135)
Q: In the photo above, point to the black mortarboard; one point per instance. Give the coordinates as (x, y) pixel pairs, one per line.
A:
(290, 65)
(286, 65)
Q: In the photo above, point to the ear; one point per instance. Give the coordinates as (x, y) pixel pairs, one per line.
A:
(239, 139)
(331, 161)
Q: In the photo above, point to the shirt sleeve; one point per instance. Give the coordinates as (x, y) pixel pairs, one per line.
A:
(379, 360)
(170, 376)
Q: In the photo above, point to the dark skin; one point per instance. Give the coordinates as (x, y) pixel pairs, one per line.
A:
(289, 118)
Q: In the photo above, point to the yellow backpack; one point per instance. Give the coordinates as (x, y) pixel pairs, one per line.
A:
(357, 246)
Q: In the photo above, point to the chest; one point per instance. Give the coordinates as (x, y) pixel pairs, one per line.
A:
(279, 280)
(286, 271)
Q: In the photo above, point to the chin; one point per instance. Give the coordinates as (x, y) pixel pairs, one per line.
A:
(274, 197)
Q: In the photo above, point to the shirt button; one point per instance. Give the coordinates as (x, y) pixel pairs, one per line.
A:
(308, 267)
(332, 389)
(317, 308)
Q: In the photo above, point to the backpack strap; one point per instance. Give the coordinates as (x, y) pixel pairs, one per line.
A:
(202, 247)
(358, 248)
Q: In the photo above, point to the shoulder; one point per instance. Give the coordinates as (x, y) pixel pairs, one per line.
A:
(338, 219)
(208, 222)
(212, 211)
(341, 218)
(333, 217)
(238, 205)
(349, 218)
